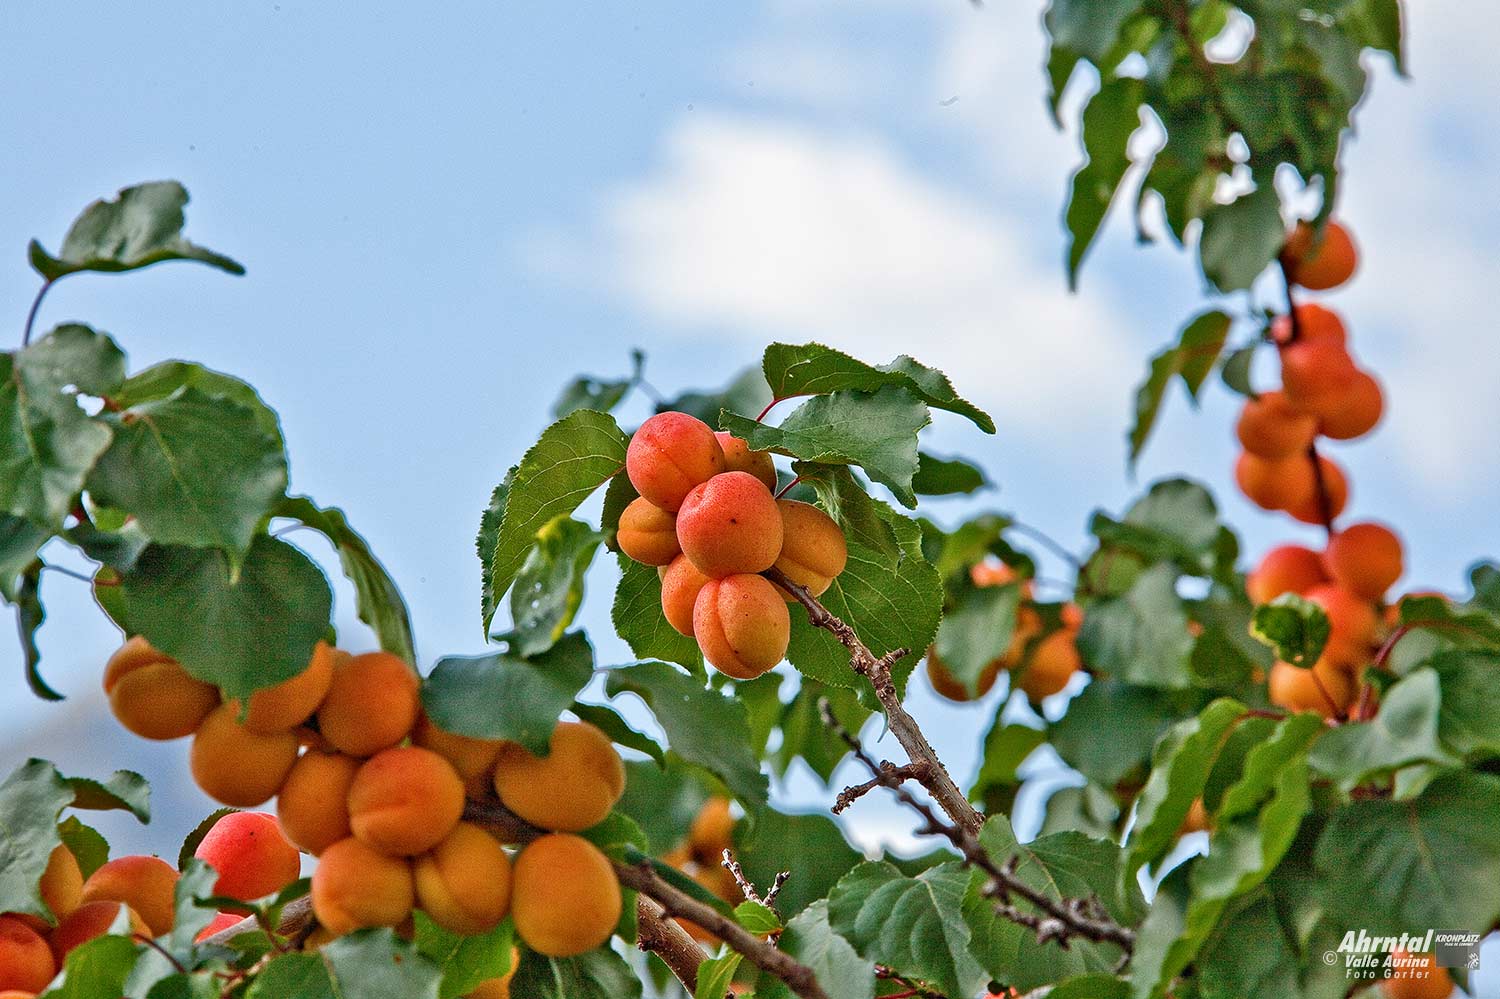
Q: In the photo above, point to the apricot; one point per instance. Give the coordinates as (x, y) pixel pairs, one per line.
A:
(1365, 559)
(1419, 978)
(292, 702)
(992, 573)
(712, 831)
(1275, 485)
(1053, 663)
(26, 962)
(313, 805)
(1352, 623)
(680, 584)
(1310, 510)
(742, 625)
(669, 455)
(1272, 428)
(473, 759)
(813, 549)
(91, 920)
(152, 695)
(1324, 688)
(356, 886)
(1319, 264)
(498, 988)
(739, 458)
(1356, 412)
(61, 888)
(648, 533)
(371, 705)
(464, 883)
(404, 801)
(221, 922)
(1071, 616)
(235, 765)
(571, 788)
(147, 885)
(1315, 373)
(1285, 569)
(1314, 322)
(252, 855)
(730, 524)
(946, 685)
(566, 900)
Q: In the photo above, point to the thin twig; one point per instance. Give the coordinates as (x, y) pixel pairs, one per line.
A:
(747, 887)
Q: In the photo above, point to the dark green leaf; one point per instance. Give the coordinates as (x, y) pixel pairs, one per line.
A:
(161, 381)
(293, 976)
(1141, 637)
(1090, 810)
(1006, 747)
(1198, 347)
(598, 394)
(599, 974)
(608, 721)
(31, 799)
(88, 847)
(1109, 119)
(839, 969)
(30, 614)
(946, 476)
(1176, 521)
(1295, 628)
(1135, 718)
(20, 540)
(466, 960)
(97, 969)
(811, 845)
(1469, 718)
(977, 630)
(377, 964)
(1403, 732)
(1236, 371)
(1241, 238)
(804, 734)
(123, 790)
(1088, 27)
(549, 588)
(638, 619)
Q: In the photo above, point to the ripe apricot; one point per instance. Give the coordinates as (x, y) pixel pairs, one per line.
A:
(565, 897)
(61, 888)
(498, 988)
(152, 695)
(1416, 976)
(648, 533)
(1285, 569)
(473, 759)
(730, 524)
(252, 855)
(1314, 322)
(313, 805)
(90, 920)
(669, 455)
(1356, 412)
(1324, 688)
(1071, 616)
(371, 705)
(1275, 485)
(1352, 624)
(26, 962)
(946, 685)
(146, 884)
(739, 458)
(464, 882)
(1310, 510)
(680, 583)
(356, 886)
(813, 549)
(1318, 265)
(712, 831)
(1053, 663)
(742, 625)
(221, 922)
(992, 573)
(1272, 428)
(1365, 559)
(235, 765)
(1316, 373)
(292, 702)
(571, 788)
(404, 801)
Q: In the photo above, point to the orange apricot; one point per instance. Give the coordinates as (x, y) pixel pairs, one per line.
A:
(313, 806)
(1365, 559)
(292, 702)
(405, 800)
(571, 788)
(355, 886)
(1314, 322)
(1272, 428)
(1285, 569)
(1052, 664)
(648, 533)
(252, 855)
(473, 759)
(235, 765)
(1319, 264)
(1416, 976)
(669, 455)
(565, 899)
(1352, 623)
(742, 625)
(712, 831)
(1324, 688)
(1354, 413)
(221, 922)
(739, 458)
(91, 920)
(464, 882)
(680, 583)
(61, 888)
(1316, 373)
(152, 695)
(946, 685)
(813, 549)
(26, 962)
(1071, 616)
(146, 884)
(1275, 485)
(371, 705)
(1335, 485)
(730, 524)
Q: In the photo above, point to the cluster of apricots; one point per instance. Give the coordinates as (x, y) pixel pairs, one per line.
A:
(701, 857)
(369, 785)
(708, 518)
(1041, 668)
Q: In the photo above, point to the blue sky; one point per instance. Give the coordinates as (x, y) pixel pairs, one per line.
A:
(447, 211)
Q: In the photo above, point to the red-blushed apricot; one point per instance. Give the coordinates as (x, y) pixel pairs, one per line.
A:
(993, 573)
(1319, 264)
(90, 920)
(948, 686)
(648, 533)
(152, 695)
(252, 855)
(565, 899)
(1356, 412)
(730, 524)
(1071, 616)
(313, 806)
(1365, 559)
(355, 886)
(813, 549)
(712, 832)
(1052, 664)
(1416, 976)
(1352, 623)
(669, 455)
(739, 458)
(404, 801)
(1315, 373)
(497, 988)
(1314, 322)
(473, 759)
(464, 882)
(1275, 485)
(26, 962)
(221, 922)
(292, 702)
(146, 884)
(1285, 569)
(1335, 486)
(17, 994)
(742, 625)
(1272, 428)
(61, 888)
(371, 705)
(680, 584)
(235, 765)
(1324, 688)
(571, 788)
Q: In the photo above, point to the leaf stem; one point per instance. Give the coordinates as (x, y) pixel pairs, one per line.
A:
(36, 304)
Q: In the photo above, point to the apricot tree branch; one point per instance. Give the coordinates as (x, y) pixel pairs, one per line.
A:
(929, 769)
(747, 887)
(656, 934)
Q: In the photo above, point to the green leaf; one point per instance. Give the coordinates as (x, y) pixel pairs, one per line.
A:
(377, 964)
(813, 846)
(574, 456)
(1176, 521)
(608, 721)
(599, 394)
(835, 964)
(31, 798)
(1295, 628)
(1241, 238)
(638, 619)
(30, 614)
(20, 540)
(293, 976)
(1006, 747)
(549, 588)
(1192, 358)
(1403, 732)
(240, 634)
(813, 369)
(1286, 743)
(746, 393)
(1089, 809)
(97, 969)
(1088, 27)
(1096, 986)
(1469, 716)
(1251, 953)
(1109, 119)
(1376, 24)
(599, 974)
(124, 790)
(466, 960)
(196, 882)
(702, 725)
(1141, 637)
(663, 802)
(1235, 372)
(757, 918)
(977, 630)
(946, 476)
(377, 599)
(142, 226)
(85, 843)
(715, 975)
(503, 696)
(1135, 718)
(804, 734)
